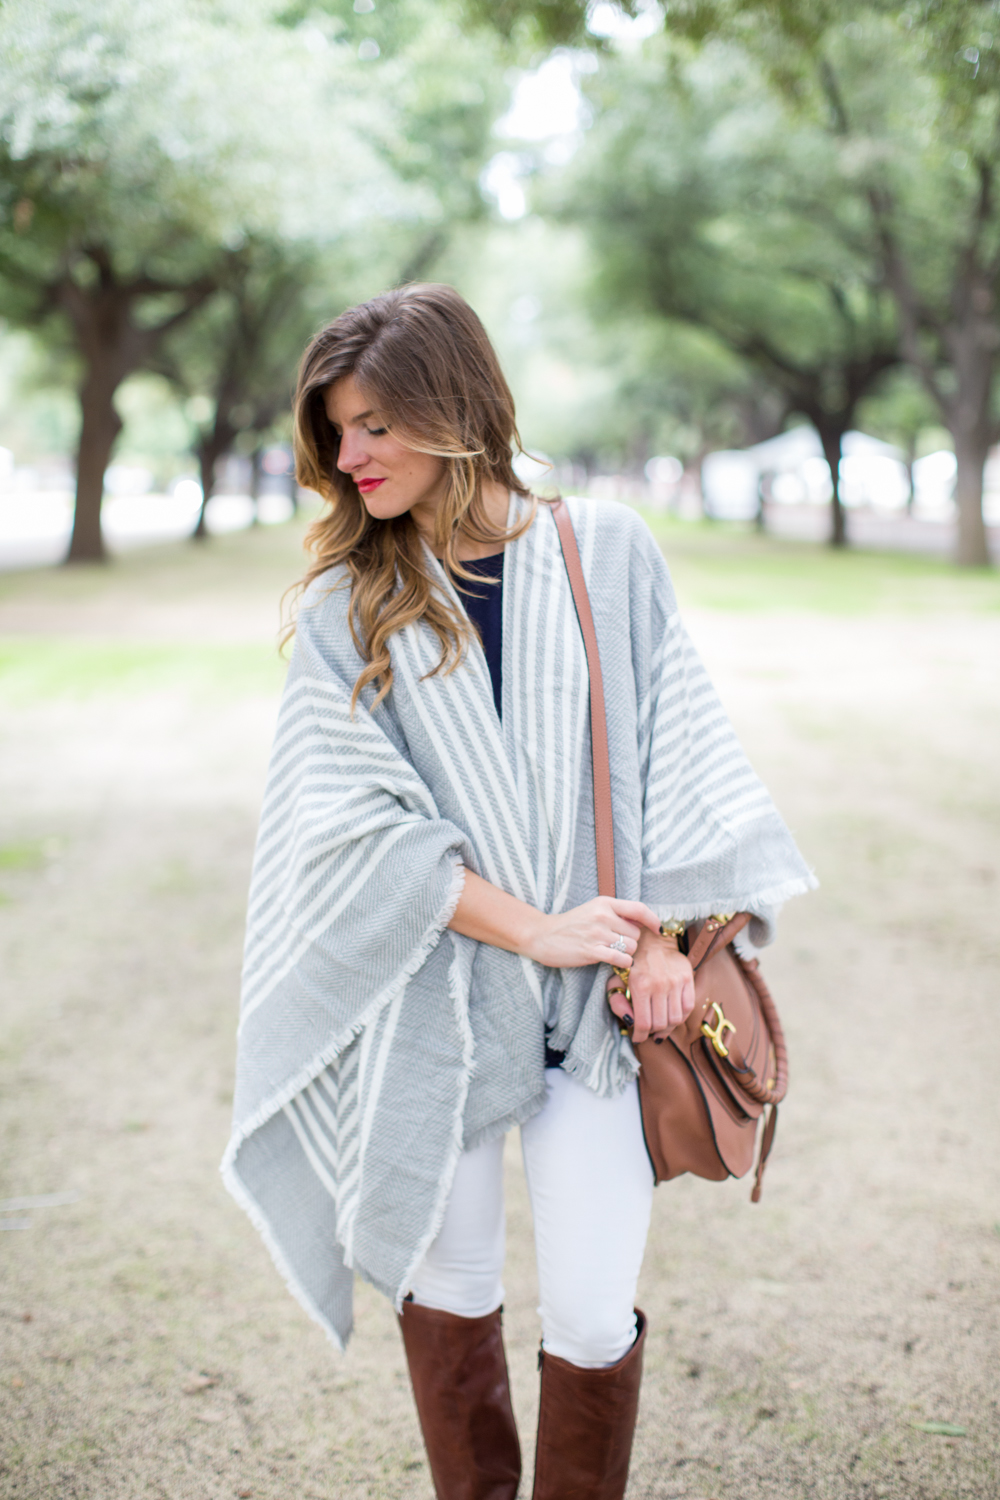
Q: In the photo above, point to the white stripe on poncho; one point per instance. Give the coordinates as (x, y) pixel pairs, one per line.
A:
(374, 1043)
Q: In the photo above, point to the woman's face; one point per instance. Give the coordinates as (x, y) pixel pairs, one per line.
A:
(391, 478)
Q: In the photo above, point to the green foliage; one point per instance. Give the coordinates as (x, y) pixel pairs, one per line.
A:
(40, 415)
(912, 97)
(240, 352)
(538, 22)
(151, 131)
(432, 137)
(704, 207)
(255, 165)
(957, 42)
(899, 410)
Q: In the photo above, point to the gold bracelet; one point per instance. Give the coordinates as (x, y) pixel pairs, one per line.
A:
(672, 930)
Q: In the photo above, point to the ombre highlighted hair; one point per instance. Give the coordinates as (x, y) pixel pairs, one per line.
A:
(423, 359)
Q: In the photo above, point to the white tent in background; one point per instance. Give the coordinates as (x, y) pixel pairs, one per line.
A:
(871, 473)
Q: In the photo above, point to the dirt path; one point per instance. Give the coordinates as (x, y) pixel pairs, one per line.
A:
(149, 1348)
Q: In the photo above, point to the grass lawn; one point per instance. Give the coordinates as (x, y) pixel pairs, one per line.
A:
(725, 565)
(134, 623)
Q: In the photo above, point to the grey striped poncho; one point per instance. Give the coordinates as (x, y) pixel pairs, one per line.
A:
(374, 1043)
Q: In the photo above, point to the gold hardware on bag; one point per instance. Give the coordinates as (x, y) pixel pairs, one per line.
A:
(715, 1034)
(714, 923)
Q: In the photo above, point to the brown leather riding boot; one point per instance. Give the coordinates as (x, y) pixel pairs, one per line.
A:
(459, 1375)
(585, 1424)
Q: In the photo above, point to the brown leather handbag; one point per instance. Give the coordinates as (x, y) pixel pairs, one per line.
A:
(705, 1089)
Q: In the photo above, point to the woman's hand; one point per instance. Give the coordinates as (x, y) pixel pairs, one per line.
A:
(661, 986)
(587, 934)
(562, 940)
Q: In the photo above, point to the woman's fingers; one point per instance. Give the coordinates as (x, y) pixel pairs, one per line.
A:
(621, 1003)
(620, 927)
(607, 953)
(636, 911)
(675, 1004)
(620, 940)
(643, 1008)
(661, 1010)
(661, 987)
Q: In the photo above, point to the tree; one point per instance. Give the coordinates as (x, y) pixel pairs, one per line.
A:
(899, 411)
(910, 92)
(678, 390)
(911, 96)
(139, 146)
(703, 208)
(241, 351)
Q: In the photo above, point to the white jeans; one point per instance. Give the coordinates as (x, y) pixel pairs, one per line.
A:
(591, 1190)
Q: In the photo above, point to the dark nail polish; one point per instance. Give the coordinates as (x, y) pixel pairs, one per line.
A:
(628, 1020)
(657, 1040)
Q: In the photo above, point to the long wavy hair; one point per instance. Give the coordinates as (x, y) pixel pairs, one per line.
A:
(424, 360)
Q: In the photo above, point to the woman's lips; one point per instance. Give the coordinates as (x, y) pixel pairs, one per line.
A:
(367, 485)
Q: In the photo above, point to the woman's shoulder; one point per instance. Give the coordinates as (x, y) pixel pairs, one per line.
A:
(623, 561)
(614, 528)
(329, 591)
(322, 615)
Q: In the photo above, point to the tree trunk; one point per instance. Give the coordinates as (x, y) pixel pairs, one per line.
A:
(831, 441)
(971, 449)
(691, 480)
(969, 343)
(763, 496)
(910, 460)
(256, 467)
(100, 429)
(972, 344)
(112, 348)
(208, 454)
(213, 445)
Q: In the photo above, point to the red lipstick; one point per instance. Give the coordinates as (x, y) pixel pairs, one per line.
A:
(367, 485)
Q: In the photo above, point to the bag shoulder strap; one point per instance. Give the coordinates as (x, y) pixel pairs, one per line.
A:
(603, 816)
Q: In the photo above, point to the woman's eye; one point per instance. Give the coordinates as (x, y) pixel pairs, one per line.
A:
(376, 431)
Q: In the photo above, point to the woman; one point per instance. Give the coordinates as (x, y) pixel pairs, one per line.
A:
(426, 961)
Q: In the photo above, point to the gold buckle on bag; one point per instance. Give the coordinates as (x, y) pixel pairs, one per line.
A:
(715, 1034)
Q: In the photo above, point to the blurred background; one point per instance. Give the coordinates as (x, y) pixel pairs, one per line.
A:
(742, 265)
(741, 261)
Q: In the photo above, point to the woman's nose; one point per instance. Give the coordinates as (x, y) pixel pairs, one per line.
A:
(352, 453)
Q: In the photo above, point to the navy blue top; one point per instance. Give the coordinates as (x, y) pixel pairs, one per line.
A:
(484, 606)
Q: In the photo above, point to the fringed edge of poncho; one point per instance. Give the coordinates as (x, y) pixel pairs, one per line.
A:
(329, 1054)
